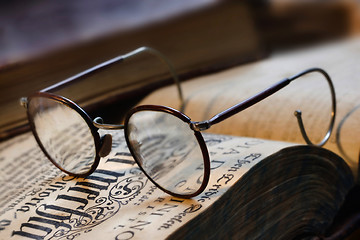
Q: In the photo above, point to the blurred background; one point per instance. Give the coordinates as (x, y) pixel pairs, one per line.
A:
(43, 42)
(37, 27)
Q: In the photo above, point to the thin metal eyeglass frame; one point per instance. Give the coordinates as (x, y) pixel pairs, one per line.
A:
(197, 127)
(203, 125)
(97, 123)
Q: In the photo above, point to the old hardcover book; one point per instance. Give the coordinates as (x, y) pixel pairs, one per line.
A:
(254, 192)
(198, 36)
(259, 189)
(273, 118)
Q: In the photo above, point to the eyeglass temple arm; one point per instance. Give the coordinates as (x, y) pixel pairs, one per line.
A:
(115, 60)
(199, 126)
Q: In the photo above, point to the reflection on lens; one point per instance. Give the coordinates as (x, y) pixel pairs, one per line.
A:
(64, 134)
(167, 150)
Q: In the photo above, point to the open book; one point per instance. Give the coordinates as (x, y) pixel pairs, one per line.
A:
(273, 118)
(258, 188)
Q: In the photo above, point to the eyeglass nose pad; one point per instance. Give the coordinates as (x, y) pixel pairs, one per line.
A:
(106, 143)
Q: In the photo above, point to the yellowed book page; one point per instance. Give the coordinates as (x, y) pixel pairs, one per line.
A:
(38, 201)
(273, 118)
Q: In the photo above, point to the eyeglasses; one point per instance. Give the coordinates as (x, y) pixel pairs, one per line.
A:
(168, 147)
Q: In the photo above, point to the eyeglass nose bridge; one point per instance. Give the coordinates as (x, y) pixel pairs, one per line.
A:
(99, 123)
(106, 140)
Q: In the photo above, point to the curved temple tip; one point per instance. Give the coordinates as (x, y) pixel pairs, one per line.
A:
(297, 113)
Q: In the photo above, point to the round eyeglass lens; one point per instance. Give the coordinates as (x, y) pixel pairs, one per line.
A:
(167, 150)
(63, 134)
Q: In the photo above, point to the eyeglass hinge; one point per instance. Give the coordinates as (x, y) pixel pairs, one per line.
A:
(200, 126)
